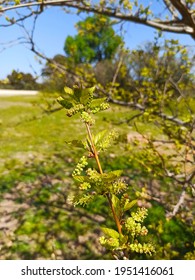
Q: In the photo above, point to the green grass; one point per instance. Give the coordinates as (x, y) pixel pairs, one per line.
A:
(26, 130)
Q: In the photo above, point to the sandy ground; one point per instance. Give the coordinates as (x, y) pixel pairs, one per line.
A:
(9, 92)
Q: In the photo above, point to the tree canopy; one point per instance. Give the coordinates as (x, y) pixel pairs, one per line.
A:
(96, 40)
(20, 80)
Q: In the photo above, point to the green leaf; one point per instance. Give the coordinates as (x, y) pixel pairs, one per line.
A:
(68, 90)
(123, 239)
(110, 232)
(115, 201)
(97, 102)
(111, 176)
(91, 90)
(129, 205)
(86, 95)
(64, 103)
(77, 95)
(117, 173)
(116, 204)
(75, 143)
(98, 138)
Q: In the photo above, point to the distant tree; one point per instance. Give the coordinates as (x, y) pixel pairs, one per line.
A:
(20, 80)
(4, 84)
(96, 40)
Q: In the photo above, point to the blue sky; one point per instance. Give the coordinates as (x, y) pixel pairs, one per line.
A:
(52, 28)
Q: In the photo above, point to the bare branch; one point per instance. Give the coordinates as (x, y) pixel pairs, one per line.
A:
(178, 205)
(187, 16)
(171, 9)
(185, 25)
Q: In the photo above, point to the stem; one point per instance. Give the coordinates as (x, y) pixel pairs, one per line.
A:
(114, 213)
(101, 172)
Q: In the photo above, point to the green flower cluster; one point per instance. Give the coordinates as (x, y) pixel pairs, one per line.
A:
(83, 200)
(80, 166)
(74, 110)
(135, 228)
(85, 186)
(109, 243)
(118, 187)
(140, 215)
(146, 248)
(108, 140)
(93, 175)
(133, 223)
(86, 118)
(103, 106)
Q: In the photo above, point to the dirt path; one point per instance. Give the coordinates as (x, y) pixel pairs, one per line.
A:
(9, 92)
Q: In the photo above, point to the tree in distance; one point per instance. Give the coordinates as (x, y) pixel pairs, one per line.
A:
(96, 40)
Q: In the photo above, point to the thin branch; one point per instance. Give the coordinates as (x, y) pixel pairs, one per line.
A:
(116, 74)
(187, 16)
(171, 9)
(178, 205)
(184, 26)
(12, 43)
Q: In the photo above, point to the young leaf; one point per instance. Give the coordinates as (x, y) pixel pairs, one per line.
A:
(123, 239)
(68, 90)
(129, 205)
(77, 95)
(115, 201)
(86, 95)
(116, 204)
(117, 173)
(111, 176)
(110, 232)
(97, 102)
(98, 138)
(75, 143)
(64, 103)
(91, 90)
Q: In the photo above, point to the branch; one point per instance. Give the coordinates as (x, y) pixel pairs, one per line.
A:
(172, 119)
(184, 26)
(20, 19)
(178, 205)
(142, 108)
(169, 26)
(187, 16)
(171, 9)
